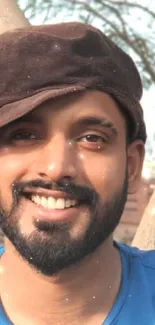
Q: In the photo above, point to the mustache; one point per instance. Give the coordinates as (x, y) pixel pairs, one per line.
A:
(82, 193)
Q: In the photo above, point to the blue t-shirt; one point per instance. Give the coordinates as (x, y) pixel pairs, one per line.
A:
(135, 303)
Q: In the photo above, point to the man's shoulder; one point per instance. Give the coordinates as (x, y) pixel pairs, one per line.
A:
(147, 258)
(137, 293)
(1, 250)
(141, 257)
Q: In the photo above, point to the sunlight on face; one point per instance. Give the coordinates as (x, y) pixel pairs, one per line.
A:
(64, 178)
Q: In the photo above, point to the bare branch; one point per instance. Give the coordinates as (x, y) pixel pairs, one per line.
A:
(137, 49)
(134, 5)
(112, 18)
(89, 8)
(123, 35)
(118, 15)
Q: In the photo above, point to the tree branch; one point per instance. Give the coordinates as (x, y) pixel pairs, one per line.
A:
(87, 7)
(132, 42)
(110, 14)
(134, 5)
(117, 13)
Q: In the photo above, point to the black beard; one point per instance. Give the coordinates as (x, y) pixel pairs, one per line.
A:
(49, 248)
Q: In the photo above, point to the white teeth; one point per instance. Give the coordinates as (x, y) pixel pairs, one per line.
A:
(44, 202)
(36, 199)
(73, 203)
(60, 204)
(52, 203)
(68, 203)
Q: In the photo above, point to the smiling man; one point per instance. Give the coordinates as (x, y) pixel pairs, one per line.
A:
(72, 141)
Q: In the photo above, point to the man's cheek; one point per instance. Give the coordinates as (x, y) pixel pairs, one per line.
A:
(11, 168)
(106, 172)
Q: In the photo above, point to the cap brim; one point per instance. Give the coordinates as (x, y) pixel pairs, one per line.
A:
(15, 110)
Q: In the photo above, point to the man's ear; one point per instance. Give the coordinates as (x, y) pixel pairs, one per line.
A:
(135, 159)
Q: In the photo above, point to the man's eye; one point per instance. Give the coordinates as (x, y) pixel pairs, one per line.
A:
(92, 138)
(24, 135)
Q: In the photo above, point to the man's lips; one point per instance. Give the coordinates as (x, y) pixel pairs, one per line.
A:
(49, 193)
(52, 205)
(56, 215)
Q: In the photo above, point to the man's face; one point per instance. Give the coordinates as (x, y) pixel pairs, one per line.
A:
(63, 171)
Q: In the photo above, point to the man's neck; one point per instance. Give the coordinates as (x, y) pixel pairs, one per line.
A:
(86, 291)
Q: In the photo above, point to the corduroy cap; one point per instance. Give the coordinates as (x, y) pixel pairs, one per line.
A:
(42, 62)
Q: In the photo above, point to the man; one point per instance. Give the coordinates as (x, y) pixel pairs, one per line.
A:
(71, 147)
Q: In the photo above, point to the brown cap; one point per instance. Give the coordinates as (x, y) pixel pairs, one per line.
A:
(42, 62)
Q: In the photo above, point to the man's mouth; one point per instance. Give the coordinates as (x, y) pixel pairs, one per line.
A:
(53, 200)
(52, 203)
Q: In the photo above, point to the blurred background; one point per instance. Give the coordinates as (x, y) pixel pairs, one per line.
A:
(130, 24)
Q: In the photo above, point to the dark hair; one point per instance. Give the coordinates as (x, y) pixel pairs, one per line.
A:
(128, 122)
(129, 127)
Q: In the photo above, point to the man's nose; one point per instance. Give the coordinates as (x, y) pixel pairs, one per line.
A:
(57, 160)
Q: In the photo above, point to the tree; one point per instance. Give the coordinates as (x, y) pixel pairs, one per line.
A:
(114, 17)
(11, 16)
(145, 235)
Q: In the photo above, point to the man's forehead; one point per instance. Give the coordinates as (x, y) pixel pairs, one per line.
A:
(91, 107)
(80, 104)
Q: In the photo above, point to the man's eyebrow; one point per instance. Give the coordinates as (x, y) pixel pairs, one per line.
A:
(96, 121)
(29, 118)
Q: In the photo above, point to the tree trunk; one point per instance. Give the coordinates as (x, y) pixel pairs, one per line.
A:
(145, 235)
(11, 16)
